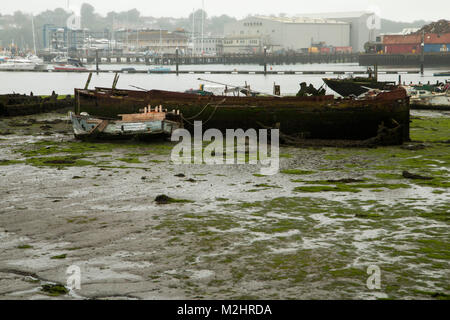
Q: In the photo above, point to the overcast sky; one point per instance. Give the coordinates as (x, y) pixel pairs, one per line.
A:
(400, 10)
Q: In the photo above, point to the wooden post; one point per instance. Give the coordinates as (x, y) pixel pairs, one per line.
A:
(88, 81)
(265, 61)
(422, 54)
(96, 61)
(376, 71)
(176, 60)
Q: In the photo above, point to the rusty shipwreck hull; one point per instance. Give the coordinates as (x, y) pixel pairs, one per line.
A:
(310, 117)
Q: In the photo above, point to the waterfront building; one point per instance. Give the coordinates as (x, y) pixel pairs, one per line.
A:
(160, 41)
(252, 34)
(365, 26)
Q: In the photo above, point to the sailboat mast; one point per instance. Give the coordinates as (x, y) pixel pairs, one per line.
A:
(34, 35)
(193, 32)
(203, 24)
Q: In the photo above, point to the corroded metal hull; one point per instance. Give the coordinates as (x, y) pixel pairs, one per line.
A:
(310, 117)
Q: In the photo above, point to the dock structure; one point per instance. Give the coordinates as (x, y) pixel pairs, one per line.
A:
(429, 59)
(242, 58)
(231, 72)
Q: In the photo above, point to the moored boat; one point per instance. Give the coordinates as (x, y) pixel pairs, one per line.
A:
(159, 70)
(18, 65)
(69, 65)
(442, 74)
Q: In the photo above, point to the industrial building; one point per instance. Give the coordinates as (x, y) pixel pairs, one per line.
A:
(252, 34)
(364, 26)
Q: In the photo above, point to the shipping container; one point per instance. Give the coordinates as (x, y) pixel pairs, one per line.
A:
(430, 38)
(402, 48)
(437, 47)
(343, 49)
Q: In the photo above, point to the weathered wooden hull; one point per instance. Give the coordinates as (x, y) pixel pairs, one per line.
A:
(434, 101)
(348, 87)
(310, 117)
(12, 105)
(89, 128)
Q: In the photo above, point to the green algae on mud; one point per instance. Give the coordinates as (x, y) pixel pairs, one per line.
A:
(430, 129)
(54, 290)
(9, 162)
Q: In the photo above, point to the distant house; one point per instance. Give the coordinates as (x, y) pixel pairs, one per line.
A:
(206, 46)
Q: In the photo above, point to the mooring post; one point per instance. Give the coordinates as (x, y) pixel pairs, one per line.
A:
(176, 60)
(96, 61)
(265, 61)
(376, 71)
(88, 81)
(422, 54)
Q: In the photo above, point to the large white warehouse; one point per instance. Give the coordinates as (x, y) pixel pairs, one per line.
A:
(254, 33)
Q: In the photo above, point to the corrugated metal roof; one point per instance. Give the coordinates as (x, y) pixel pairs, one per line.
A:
(337, 15)
(300, 20)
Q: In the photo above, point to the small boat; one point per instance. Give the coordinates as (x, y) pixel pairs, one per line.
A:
(18, 65)
(39, 62)
(148, 124)
(70, 65)
(356, 86)
(128, 70)
(442, 74)
(424, 99)
(160, 70)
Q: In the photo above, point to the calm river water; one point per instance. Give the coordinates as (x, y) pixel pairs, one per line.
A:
(64, 83)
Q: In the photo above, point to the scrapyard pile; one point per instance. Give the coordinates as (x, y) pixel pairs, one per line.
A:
(439, 27)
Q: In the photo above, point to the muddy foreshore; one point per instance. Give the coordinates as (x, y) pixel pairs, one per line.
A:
(309, 232)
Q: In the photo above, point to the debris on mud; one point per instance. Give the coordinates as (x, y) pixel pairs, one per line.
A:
(345, 181)
(408, 175)
(413, 147)
(163, 199)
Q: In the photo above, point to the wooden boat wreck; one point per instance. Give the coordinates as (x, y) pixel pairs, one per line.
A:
(356, 86)
(143, 126)
(322, 117)
(426, 100)
(12, 105)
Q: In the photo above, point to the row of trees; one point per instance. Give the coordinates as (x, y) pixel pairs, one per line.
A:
(17, 28)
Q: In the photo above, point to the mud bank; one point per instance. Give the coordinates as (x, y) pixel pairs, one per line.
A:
(309, 232)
